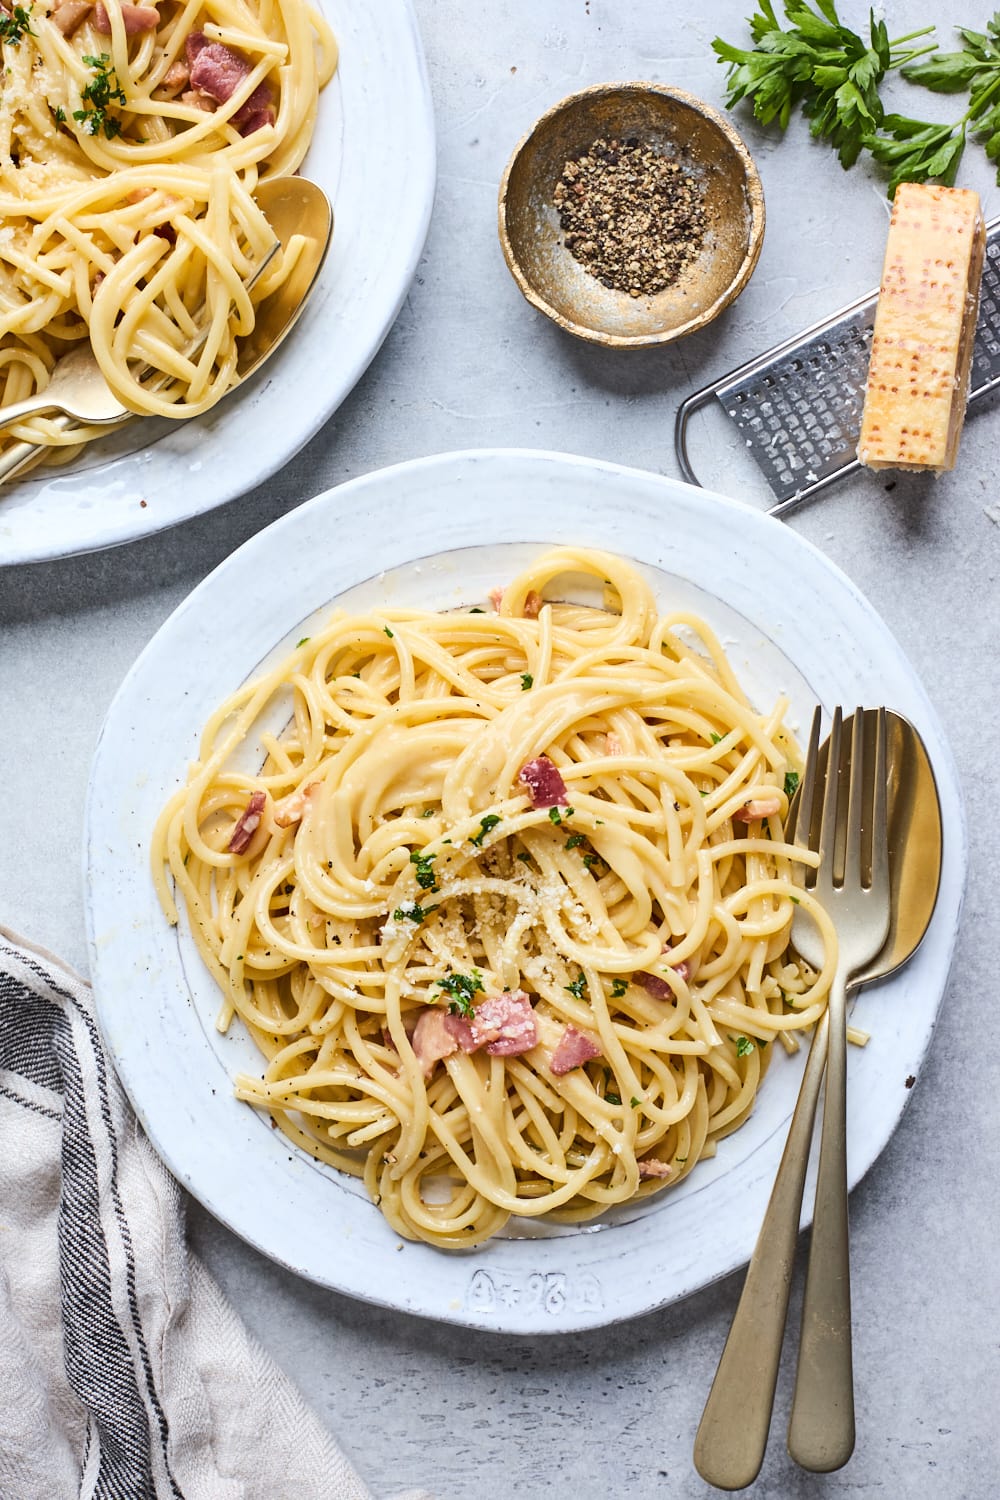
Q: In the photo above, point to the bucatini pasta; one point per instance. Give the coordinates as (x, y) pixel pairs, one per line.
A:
(131, 141)
(507, 905)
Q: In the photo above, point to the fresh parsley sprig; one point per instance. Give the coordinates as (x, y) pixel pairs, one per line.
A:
(97, 96)
(16, 26)
(976, 70)
(820, 64)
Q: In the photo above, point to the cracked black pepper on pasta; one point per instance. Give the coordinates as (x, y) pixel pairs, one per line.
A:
(632, 217)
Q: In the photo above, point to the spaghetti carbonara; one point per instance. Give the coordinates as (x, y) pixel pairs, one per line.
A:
(131, 141)
(507, 906)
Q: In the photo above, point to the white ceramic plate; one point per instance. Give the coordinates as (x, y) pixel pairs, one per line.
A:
(435, 533)
(374, 152)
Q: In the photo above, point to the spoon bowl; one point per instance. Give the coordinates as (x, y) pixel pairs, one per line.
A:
(296, 209)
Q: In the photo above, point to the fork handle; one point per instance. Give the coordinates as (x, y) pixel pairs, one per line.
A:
(821, 1428)
(732, 1435)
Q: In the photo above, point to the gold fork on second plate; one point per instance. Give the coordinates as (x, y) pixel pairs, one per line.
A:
(732, 1435)
(852, 884)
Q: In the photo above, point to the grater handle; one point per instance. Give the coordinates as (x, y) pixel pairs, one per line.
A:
(688, 406)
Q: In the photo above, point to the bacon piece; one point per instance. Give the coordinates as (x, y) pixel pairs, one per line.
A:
(176, 76)
(136, 19)
(291, 809)
(532, 604)
(215, 68)
(653, 985)
(574, 1049)
(654, 1167)
(462, 1031)
(758, 807)
(247, 824)
(682, 969)
(69, 15)
(257, 111)
(544, 781)
(198, 99)
(495, 596)
(433, 1039)
(505, 1024)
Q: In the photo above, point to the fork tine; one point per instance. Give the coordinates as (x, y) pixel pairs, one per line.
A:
(827, 843)
(855, 802)
(880, 820)
(800, 828)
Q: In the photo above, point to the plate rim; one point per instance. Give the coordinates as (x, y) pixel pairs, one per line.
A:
(502, 1255)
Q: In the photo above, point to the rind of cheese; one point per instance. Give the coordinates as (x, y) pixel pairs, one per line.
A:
(925, 328)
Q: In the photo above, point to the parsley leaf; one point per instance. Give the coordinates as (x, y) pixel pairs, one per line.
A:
(388, 632)
(527, 681)
(17, 25)
(485, 825)
(792, 779)
(575, 840)
(98, 95)
(612, 1098)
(618, 988)
(425, 875)
(461, 988)
(744, 1046)
(412, 914)
(578, 986)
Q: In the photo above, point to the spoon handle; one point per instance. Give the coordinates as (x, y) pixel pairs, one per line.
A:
(732, 1436)
(821, 1428)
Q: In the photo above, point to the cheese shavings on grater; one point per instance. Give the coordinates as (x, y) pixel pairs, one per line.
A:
(799, 405)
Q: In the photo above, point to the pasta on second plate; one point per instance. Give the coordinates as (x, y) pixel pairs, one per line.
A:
(132, 137)
(507, 906)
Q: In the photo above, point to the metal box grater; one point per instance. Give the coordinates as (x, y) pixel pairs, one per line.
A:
(799, 405)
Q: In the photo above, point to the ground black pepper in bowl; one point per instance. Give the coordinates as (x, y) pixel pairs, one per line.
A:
(632, 217)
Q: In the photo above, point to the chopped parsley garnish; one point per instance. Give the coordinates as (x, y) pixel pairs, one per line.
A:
(575, 840)
(412, 914)
(590, 860)
(634, 1102)
(59, 114)
(744, 1046)
(618, 988)
(612, 1098)
(388, 632)
(302, 642)
(17, 25)
(527, 681)
(524, 856)
(103, 91)
(461, 988)
(791, 783)
(555, 816)
(477, 611)
(485, 825)
(578, 986)
(428, 812)
(716, 738)
(425, 875)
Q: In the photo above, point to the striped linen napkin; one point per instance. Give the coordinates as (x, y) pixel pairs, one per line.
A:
(124, 1372)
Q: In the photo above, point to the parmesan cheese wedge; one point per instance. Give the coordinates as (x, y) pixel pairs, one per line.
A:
(925, 328)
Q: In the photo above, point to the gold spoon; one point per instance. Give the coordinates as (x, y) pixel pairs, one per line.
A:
(78, 389)
(732, 1436)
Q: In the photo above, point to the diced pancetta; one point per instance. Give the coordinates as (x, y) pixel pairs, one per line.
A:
(505, 1024)
(660, 989)
(291, 809)
(654, 1167)
(135, 18)
(433, 1039)
(247, 824)
(66, 17)
(215, 68)
(573, 1050)
(495, 596)
(532, 604)
(682, 969)
(758, 807)
(544, 781)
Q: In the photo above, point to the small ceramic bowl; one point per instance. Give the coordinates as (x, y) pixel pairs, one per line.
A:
(677, 125)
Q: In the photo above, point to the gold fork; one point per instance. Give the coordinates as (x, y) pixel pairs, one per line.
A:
(732, 1436)
(852, 884)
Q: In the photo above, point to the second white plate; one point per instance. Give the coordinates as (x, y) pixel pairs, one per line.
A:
(374, 153)
(435, 533)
